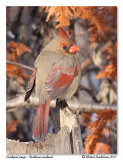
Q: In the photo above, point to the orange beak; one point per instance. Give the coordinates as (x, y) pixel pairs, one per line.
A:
(73, 49)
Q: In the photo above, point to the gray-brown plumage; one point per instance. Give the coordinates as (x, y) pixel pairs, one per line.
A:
(57, 75)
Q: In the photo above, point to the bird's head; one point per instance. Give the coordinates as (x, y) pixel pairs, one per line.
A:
(66, 45)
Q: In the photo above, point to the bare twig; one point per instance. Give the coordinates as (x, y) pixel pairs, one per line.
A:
(108, 44)
(84, 32)
(88, 61)
(85, 53)
(19, 65)
(74, 106)
(89, 92)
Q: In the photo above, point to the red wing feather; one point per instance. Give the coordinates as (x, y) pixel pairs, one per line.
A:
(31, 85)
(58, 80)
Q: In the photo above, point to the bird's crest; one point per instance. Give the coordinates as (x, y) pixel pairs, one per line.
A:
(62, 33)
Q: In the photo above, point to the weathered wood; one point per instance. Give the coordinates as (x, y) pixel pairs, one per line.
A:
(67, 118)
(77, 140)
(52, 144)
(60, 143)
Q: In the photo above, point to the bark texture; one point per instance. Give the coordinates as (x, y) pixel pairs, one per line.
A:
(67, 141)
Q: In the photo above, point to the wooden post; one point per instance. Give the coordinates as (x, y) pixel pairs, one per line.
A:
(67, 141)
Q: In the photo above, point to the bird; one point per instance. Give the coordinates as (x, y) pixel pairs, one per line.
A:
(56, 75)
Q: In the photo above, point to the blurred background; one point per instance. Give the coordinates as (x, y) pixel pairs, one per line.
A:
(29, 27)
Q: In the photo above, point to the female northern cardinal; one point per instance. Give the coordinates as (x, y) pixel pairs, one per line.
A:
(57, 75)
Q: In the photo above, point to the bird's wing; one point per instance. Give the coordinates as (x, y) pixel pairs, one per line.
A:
(58, 79)
(31, 85)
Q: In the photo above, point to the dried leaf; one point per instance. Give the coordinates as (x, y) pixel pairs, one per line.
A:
(96, 130)
(86, 119)
(63, 15)
(110, 71)
(102, 148)
(17, 49)
(11, 127)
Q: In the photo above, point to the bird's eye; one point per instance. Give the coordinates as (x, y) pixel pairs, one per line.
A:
(64, 47)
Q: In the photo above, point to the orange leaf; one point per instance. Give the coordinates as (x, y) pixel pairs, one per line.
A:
(11, 127)
(97, 130)
(17, 49)
(102, 148)
(110, 71)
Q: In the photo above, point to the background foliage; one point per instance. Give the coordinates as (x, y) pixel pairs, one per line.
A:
(94, 30)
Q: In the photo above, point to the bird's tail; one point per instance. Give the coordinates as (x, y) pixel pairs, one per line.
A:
(41, 121)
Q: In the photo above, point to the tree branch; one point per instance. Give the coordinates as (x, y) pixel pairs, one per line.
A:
(84, 32)
(78, 107)
(19, 65)
(84, 64)
(88, 61)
